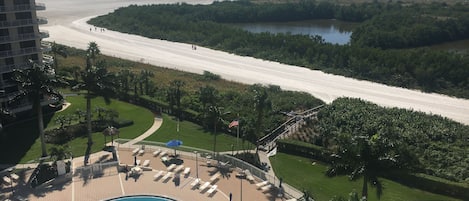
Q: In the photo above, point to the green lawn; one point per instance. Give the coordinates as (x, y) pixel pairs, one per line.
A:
(302, 174)
(193, 135)
(22, 140)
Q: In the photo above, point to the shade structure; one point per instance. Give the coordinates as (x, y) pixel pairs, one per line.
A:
(110, 131)
(174, 144)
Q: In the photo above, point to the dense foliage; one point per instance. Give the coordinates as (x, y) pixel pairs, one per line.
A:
(439, 145)
(424, 69)
(414, 27)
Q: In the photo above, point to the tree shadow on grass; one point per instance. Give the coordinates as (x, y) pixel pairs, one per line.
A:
(18, 138)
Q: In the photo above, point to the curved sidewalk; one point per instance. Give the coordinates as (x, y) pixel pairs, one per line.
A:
(156, 125)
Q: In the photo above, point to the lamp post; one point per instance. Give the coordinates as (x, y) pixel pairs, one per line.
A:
(196, 165)
(232, 150)
(241, 196)
(11, 181)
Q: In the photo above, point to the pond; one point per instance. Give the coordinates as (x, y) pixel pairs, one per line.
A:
(458, 46)
(332, 31)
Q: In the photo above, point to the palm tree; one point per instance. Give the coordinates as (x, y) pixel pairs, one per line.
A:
(207, 95)
(92, 52)
(35, 83)
(124, 77)
(261, 103)
(175, 94)
(364, 156)
(58, 50)
(216, 115)
(145, 76)
(95, 80)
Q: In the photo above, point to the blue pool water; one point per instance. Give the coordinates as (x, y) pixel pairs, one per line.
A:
(141, 198)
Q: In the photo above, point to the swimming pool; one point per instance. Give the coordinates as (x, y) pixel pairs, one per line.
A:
(141, 198)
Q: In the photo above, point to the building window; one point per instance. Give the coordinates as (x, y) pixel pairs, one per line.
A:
(25, 30)
(4, 32)
(34, 57)
(26, 44)
(23, 15)
(9, 61)
(5, 47)
(21, 2)
(3, 17)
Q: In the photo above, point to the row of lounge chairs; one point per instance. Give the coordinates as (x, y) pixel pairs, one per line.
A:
(146, 163)
(204, 186)
(160, 153)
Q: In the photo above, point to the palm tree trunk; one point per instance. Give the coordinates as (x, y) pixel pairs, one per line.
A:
(365, 186)
(41, 127)
(214, 139)
(88, 118)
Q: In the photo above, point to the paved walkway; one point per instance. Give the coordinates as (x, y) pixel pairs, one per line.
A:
(156, 125)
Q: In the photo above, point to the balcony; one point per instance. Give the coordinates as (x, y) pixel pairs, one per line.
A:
(14, 53)
(23, 37)
(10, 68)
(40, 6)
(46, 46)
(44, 34)
(22, 7)
(47, 59)
(24, 22)
(41, 20)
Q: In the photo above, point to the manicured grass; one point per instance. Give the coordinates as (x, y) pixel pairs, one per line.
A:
(193, 135)
(23, 138)
(302, 174)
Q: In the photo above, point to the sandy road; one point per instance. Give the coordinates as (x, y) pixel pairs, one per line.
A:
(67, 25)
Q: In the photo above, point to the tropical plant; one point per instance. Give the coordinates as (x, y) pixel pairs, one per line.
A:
(92, 52)
(57, 49)
(365, 155)
(174, 95)
(96, 81)
(216, 116)
(60, 152)
(261, 104)
(36, 83)
(145, 76)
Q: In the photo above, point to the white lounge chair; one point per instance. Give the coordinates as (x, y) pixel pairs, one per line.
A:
(195, 182)
(204, 186)
(260, 184)
(141, 152)
(158, 175)
(135, 151)
(6, 179)
(167, 176)
(146, 163)
(215, 176)
(212, 189)
(187, 170)
(171, 167)
(164, 159)
(164, 153)
(179, 168)
(15, 177)
(266, 187)
(155, 153)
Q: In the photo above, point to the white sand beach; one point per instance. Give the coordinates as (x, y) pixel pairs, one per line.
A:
(67, 25)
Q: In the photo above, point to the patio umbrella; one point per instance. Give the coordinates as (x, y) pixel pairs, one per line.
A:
(174, 144)
(110, 131)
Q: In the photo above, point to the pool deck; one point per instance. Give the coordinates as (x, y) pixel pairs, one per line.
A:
(112, 183)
